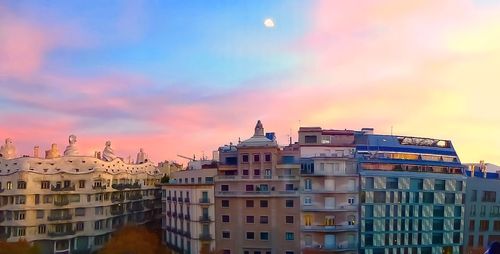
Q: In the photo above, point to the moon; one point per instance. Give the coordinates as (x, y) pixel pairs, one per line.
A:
(269, 23)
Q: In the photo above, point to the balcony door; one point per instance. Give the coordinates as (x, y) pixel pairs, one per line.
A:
(330, 242)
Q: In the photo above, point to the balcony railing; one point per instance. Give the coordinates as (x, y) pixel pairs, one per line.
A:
(180, 200)
(117, 199)
(122, 186)
(136, 208)
(186, 200)
(204, 201)
(205, 237)
(134, 196)
(321, 208)
(115, 212)
(64, 233)
(316, 172)
(61, 188)
(204, 218)
(326, 228)
(53, 217)
(62, 202)
(96, 187)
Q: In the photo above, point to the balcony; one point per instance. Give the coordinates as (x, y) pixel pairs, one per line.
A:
(204, 218)
(59, 234)
(322, 208)
(317, 172)
(122, 186)
(321, 190)
(334, 228)
(328, 249)
(117, 199)
(180, 200)
(54, 217)
(149, 205)
(204, 201)
(186, 200)
(62, 202)
(205, 237)
(134, 196)
(99, 187)
(136, 208)
(60, 188)
(118, 211)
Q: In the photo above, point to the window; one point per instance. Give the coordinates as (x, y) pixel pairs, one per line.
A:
(474, 196)
(256, 172)
(19, 215)
(456, 224)
(310, 139)
(45, 185)
(250, 219)
(264, 203)
(496, 226)
(244, 158)
(288, 252)
(80, 226)
(308, 240)
(21, 184)
(245, 172)
(350, 201)
(391, 183)
(437, 238)
(368, 225)
(256, 158)
(489, 196)
(416, 184)
(439, 184)
(226, 251)
(224, 187)
(81, 184)
(264, 236)
(307, 201)
(40, 214)
(459, 186)
(226, 234)
(264, 220)
(307, 220)
(225, 203)
(249, 187)
(9, 185)
(307, 184)
(368, 211)
(250, 235)
(458, 211)
(225, 218)
(483, 225)
(428, 198)
(449, 198)
(438, 211)
(379, 197)
(289, 236)
(267, 157)
(79, 211)
(369, 183)
(289, 219)
(249, 203)
(264, 187)
(42, 229)
(289, 187)
(289, 203)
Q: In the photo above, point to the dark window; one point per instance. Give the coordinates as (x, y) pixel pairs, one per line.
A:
(449, 198)
(456, 224)
(289, 236)
(459, 185)
(416, 184)
(263, 203)
(368, 240)
(289, 219)
(226, 252)
(311, 139)
(224, 187)
(250, 235)
(438, 211)
(264, 220)
(472, 225)
(379, 197)
(225, 218)
(225, 203)
(439, 184)
(289, 203)
(428, 197)
(458, 211)
(226, 234)
(391, 183)
(483, 225)
(437, 225)
(474, 195)
(437, 238)
(249, 203)
(496, 226)
(289, 186)
(264, 235)
(256, 172)
(256, 157)
(456, 238)
(268, 157)
(249, 187)
(245, 172)
(369, 183)
(369, 225)
(21, 184)
(250, 219)
(368, 211)
(244, 158)
(489, 196)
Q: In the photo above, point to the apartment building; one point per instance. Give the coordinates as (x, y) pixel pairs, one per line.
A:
(256, 197)
(71, 203)
(482, 213)
(329, 192)
(411, 195)
(189, 213)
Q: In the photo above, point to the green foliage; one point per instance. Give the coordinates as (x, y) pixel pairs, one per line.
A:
(134, 240)
(165, 179)
(19, 247)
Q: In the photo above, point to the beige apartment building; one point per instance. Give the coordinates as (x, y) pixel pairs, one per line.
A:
(329, 191)
(257, 198)
(70, 203)
(189, 213)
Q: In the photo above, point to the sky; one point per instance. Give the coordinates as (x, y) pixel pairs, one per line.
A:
(184, 77)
